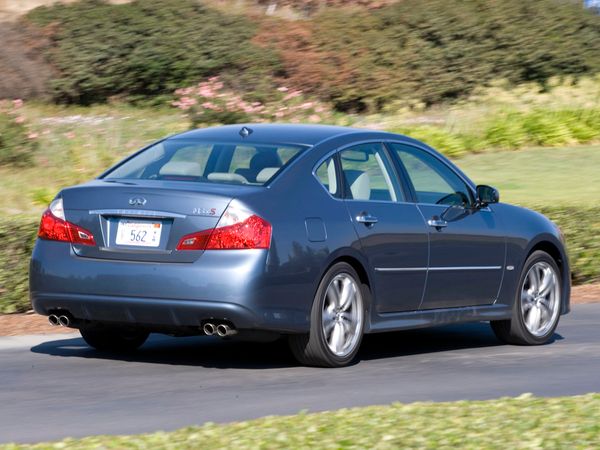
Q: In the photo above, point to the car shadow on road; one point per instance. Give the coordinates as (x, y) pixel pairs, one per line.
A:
(213, 352)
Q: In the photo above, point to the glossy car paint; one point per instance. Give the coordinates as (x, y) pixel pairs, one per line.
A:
(274, 289)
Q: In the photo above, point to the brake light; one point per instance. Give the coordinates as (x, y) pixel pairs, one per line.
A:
(237, 229)
(54, 227)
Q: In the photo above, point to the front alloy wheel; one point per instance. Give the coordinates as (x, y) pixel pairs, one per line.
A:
(537, 306)
(337, 320)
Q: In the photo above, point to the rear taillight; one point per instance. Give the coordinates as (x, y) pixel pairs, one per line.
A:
(237, 229)
(54, 227)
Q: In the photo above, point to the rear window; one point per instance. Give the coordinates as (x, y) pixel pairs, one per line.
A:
(208, 162)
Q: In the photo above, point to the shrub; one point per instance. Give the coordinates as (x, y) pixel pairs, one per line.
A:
(210, 102)
(17, 236)
(146, 48)
(17, 143)
(435, 51)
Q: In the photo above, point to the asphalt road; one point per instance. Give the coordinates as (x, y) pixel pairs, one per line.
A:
(54, 386)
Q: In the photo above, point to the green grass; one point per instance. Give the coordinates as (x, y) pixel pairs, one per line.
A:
(519, 423)
(567, 176)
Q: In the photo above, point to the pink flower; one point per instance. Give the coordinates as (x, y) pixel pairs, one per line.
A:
(20, 119)
(282, 89)
(307, 105)
(314, 118)
(32, 136)
(17, 103)
(209, 105)
(292, 95)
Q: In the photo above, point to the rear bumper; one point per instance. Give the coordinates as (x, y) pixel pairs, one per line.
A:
(232, 286)
(144, 311)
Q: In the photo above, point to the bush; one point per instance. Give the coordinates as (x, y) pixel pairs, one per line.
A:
(146, 48)
(435, 51)
(17, 144)
(514, 130)
(210, 102)
(17, 237)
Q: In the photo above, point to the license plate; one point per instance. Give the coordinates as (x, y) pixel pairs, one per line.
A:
(141, 234)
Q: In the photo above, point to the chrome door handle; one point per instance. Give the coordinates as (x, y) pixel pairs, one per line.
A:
(437, 223)
(367, 219)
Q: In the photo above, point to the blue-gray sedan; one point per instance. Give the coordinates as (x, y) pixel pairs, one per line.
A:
(317, 233)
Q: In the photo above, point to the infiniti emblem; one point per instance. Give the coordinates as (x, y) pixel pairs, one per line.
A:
(137, 201)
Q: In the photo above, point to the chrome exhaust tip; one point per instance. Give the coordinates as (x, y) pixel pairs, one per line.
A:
(64, 321)
(209, 329)
(224, 330)
(53, 319)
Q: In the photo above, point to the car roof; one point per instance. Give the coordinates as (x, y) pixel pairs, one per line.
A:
(271, 133)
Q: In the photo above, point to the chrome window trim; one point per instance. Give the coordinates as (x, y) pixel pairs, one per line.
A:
(435, 269)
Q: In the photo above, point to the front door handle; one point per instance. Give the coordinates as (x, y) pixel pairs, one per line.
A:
(367, 219)
(436, 222)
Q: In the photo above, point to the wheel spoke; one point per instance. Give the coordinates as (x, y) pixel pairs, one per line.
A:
(533, 319)
(333, 295)
(337, 337)
(346, 294)
(534, 279)
(547, 282)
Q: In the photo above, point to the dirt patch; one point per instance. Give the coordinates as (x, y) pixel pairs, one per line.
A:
(30, 323)
(19, 324)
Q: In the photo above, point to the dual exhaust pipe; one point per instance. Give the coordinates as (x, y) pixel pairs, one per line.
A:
(62, 320)
(221, 330)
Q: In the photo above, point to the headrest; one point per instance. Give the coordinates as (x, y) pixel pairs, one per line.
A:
(266, 174)
(226, 176)
(181, 168)
(359, 183)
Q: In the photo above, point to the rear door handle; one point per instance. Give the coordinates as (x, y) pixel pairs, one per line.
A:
(367, 219)
(436, 222)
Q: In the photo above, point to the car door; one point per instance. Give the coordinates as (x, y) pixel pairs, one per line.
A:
(391, 231)
(467, 245)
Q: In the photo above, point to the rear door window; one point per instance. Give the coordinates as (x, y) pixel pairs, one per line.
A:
(368, 174)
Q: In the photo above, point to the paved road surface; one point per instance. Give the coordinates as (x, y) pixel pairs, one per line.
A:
(54, 386)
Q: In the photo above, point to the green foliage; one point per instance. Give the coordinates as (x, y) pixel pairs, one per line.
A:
(440, 50)
(578, 224)
(409, 51)
(17, 236)
(17, 145)
(513, 130)
(524, 422)
(146, 47)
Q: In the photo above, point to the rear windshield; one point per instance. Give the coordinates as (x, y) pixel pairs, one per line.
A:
(207, 162)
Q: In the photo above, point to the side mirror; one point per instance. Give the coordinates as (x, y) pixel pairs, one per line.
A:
(487, 195)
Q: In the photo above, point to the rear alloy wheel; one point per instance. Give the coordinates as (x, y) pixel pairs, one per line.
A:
(537, 306)
(114, 339)
(337, 320)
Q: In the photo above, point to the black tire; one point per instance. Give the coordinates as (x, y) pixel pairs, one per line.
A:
(514, 331)
(114, 339)
(312, 349)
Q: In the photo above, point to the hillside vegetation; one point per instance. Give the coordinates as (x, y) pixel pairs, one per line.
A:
(358, 59)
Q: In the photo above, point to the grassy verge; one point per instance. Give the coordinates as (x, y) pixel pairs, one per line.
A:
(524, 422)
(566, 176)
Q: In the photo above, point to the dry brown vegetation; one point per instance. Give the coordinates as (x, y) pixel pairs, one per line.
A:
(25, 73)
